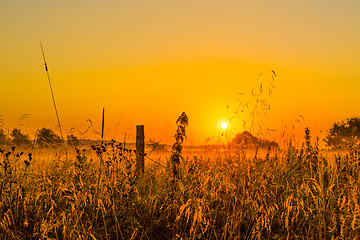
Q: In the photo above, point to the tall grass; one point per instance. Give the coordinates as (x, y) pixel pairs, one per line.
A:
(289, 194)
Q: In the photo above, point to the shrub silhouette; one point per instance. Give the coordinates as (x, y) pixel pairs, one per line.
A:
(72, 140)
(246, 139)
(47, 138)
(345, 134)
(19, 139)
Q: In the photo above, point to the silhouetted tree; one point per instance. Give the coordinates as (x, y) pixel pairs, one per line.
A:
(47, 138)
(72, 140)
(246, 139)
(344, 134)
(20, 139)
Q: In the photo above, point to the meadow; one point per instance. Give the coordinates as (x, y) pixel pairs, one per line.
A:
(236, 193)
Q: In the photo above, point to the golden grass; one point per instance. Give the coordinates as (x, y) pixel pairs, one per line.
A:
(287, 194)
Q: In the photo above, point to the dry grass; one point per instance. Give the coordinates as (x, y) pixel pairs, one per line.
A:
(290, 194)
(228, 193)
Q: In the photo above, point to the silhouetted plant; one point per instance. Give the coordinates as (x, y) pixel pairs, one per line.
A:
(345, 134)
(10, 175)
(176, 156)
(156, 146)
(246, 139)
(20, 139)
(3, 138)
(72, 140)
(47, 138)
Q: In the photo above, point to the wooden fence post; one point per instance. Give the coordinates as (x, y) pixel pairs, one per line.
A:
(140, 149)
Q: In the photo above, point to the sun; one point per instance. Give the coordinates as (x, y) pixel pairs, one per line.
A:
(224, 125)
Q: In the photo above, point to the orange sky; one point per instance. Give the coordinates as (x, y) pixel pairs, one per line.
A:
(146, 62)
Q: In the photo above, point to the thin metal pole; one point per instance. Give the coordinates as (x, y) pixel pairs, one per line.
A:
(102, 125)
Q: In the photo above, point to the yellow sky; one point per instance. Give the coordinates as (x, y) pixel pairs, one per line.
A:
(146, 62)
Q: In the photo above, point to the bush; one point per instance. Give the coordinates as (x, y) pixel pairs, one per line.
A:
(20, 139)
(345, 134)
(72, 140)
(247, 140)
(47, 138)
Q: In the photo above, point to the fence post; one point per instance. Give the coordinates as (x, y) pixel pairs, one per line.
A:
(103, 124)
(140, 149)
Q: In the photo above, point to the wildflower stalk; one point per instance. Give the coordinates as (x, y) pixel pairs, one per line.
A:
(180, 135)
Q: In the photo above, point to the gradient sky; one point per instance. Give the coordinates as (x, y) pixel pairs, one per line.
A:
(146, 62)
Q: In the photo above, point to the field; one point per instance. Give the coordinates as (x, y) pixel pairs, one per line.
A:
(286, 193)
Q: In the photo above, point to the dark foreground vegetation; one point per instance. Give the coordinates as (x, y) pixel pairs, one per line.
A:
(288, 194)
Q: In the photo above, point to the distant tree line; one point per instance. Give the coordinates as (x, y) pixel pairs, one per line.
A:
(45, 138)
(342, 135)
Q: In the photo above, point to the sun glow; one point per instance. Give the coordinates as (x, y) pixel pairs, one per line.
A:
(224, 125)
